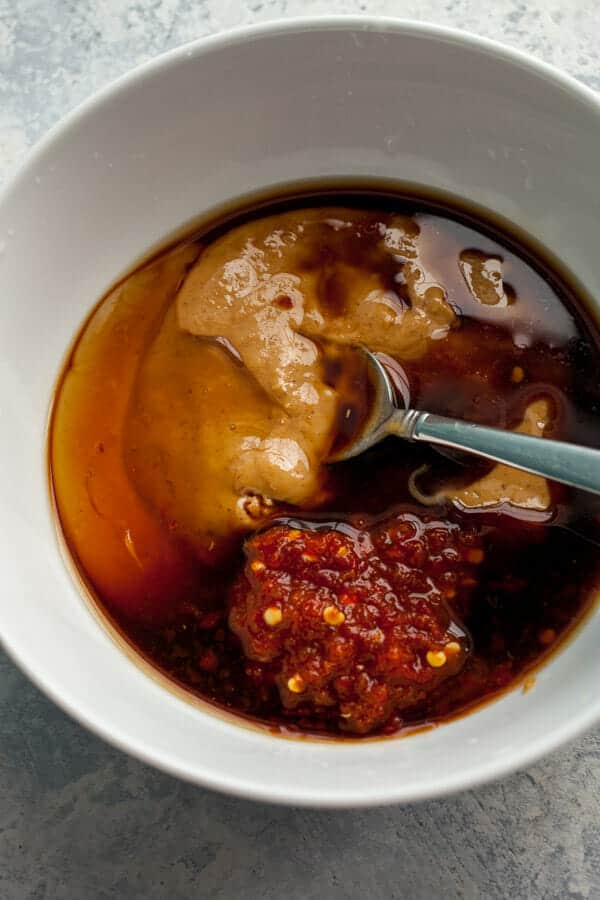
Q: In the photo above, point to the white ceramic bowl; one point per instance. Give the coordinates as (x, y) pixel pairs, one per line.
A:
(190, 130)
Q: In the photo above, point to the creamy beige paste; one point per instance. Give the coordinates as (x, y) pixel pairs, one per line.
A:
(259, 289)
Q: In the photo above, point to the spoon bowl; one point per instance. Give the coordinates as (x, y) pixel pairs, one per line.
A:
(384, 406)
(560, 461)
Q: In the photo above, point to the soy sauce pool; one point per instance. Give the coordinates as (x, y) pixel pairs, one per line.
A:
(520, 334)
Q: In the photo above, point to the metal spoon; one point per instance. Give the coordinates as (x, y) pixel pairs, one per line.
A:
(568, 463)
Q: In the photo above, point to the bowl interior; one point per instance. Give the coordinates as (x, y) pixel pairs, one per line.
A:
(187, 133)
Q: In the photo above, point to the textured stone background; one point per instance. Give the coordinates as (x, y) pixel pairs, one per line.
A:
(80, 820)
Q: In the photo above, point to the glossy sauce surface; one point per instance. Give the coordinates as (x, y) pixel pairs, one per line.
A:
(146, 409)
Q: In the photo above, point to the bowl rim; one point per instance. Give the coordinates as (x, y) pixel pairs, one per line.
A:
(249, 787)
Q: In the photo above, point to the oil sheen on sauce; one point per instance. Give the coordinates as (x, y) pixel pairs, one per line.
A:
(150, 416)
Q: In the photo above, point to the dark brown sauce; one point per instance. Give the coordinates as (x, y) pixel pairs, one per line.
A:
(539, 576)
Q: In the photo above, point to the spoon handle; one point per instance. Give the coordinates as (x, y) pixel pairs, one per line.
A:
(570, 464)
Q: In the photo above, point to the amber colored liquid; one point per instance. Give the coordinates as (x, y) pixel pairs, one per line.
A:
(540, 575)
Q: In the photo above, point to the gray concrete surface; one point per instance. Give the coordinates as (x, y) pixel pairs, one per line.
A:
(81, 821)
